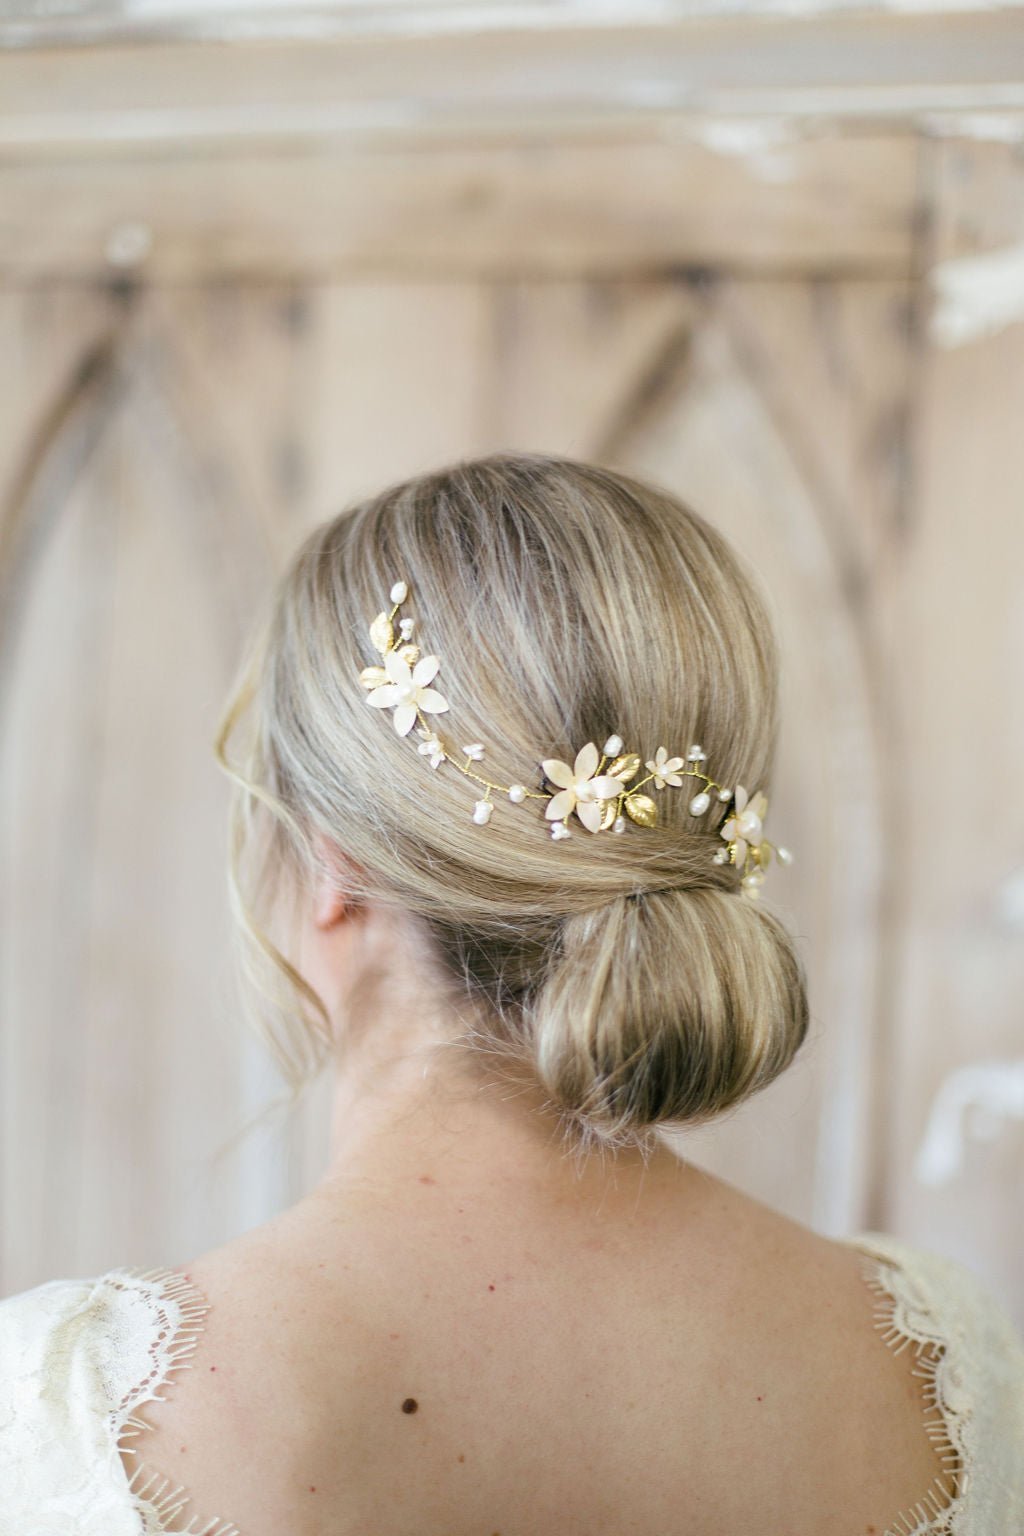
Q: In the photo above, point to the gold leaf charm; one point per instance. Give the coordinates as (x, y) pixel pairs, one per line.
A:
(410, 654)
(625, 767)
(373, 677)
(609, 813)
(641, 809)
(381, 633)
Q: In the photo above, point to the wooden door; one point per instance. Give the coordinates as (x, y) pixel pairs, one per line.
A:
(213, 340)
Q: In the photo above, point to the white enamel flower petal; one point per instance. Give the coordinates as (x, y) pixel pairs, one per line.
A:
(425, 670)
(383, 697)
(431, 702)
(397, 669)
(558, 772)
(605, 786)
(590, 812)
(404, 718)
(750, 825)
(559, 806)
(740, 797)
(586, 761)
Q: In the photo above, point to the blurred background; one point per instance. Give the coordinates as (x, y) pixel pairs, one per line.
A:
(257, 260)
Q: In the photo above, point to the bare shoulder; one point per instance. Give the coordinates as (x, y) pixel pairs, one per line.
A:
(381, 1373)
(230, 1429)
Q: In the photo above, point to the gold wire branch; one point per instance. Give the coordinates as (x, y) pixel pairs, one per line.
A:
(593, 787)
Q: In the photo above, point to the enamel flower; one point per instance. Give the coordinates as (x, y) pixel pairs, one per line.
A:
(580, 788)
(745, 825)
(406, 691)
(665, 769)
(431, 747)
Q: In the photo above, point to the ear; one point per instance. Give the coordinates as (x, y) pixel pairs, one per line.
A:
(330, 904)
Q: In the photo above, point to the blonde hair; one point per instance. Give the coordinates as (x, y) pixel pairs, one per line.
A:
(566, 602)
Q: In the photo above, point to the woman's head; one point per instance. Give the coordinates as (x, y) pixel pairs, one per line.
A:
(567, 603)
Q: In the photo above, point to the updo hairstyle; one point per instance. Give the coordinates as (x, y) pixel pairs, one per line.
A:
(566, 602)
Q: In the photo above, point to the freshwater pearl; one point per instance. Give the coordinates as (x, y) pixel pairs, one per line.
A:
(700, 803)
(559, 830)
(482, 812)
(619, 824)
(785, 855)
(399, 592)
(613, 745)
(516, 792)
(725, 794)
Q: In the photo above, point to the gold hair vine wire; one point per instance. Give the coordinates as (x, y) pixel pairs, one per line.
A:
(593, 787)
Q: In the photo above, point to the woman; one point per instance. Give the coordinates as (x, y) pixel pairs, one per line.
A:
(512, 725)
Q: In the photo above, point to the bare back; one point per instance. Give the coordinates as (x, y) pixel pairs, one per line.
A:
(417, 1366)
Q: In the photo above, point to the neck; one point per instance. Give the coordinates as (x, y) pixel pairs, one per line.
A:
(424, 1120)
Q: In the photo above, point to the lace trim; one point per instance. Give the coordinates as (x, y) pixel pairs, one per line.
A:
(181, 1310)
(905, 1319)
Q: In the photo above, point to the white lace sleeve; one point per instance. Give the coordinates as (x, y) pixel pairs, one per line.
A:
(77, 1360)
(971, 1360)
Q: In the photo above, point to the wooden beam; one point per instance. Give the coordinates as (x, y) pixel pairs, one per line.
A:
(827, 203)
(155, 81)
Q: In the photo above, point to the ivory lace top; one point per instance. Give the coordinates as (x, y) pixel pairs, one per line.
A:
(78, 1358)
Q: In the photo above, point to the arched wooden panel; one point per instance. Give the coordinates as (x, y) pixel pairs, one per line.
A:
(956, 621)
(119, 1067)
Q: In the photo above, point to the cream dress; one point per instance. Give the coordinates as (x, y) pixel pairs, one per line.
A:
(79, 1357)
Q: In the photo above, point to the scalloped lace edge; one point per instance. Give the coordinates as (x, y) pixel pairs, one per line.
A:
(938, 1512)
(157, 1501)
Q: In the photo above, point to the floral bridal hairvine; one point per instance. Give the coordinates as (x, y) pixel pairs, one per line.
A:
(593, 787)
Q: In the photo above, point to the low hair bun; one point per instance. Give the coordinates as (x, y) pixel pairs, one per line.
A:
(666, 1010)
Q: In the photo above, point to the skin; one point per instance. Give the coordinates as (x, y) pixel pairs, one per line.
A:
(461, 1331)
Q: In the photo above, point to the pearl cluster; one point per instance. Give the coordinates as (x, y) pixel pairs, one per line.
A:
(600, 789)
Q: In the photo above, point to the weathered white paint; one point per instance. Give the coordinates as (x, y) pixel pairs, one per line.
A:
(1004, 127)
(762, 141)
(1009, 902)
(977, 295)
(973, 1103)
(331, 18)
